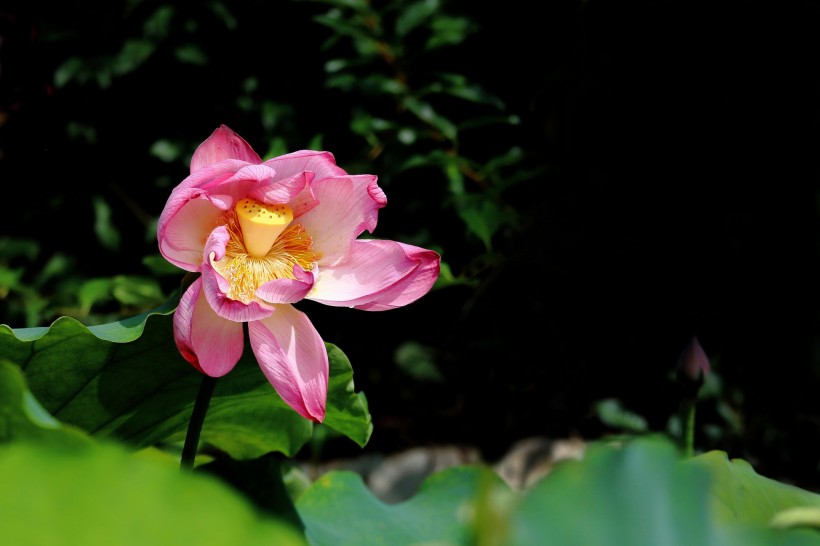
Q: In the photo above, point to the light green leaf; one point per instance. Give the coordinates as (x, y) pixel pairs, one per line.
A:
(635, 492)
(449, 31)
(457, 85)
(101, 495)
(12, 247)
(636, 495)
(799, 516)
(133, 54)
(92, 291)
(344, 26)
(22, 418)
(158, 25)
(57, 266)
(10, 279)
(641, 493)
(612, 413)
(481, 215)
(107, 232)
(339, 510)
(414, 15)
(224, 13)
(166, 150)
(71, 69)
(425, 112)
(741, 495)
(347, 409)
(191, 54)
(138, 291)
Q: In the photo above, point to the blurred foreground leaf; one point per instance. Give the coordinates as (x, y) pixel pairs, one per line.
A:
(643, 493)
(101, 495)
(637, 493)
(339, 510)
(741, 495)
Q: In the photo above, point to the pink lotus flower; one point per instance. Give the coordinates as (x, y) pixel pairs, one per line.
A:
(265, 235)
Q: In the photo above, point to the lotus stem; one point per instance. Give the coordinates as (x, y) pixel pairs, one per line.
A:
(203, 399)
(687, 423)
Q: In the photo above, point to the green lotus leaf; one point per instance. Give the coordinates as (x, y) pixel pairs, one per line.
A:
(102, 495)
(339, 510)
(127, 381)
(641, 493)
(741, 495)
(23, 418)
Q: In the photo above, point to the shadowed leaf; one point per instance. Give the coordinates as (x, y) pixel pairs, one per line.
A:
(127, 381)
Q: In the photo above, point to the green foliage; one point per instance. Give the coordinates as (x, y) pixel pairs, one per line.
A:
(102, 495)
(743, 496)
(418, 362)
(23, 419)
(126, 381)
(94, 398)
(411, 120)
(613, 414)
(638, 493)
(632, 492)
(339, 510)
(33, 291)
(642, 493)
(133, 53)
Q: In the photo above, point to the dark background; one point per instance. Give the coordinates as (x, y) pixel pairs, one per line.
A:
(680, 199)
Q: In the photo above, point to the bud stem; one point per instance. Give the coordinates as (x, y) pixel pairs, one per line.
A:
(687, 424)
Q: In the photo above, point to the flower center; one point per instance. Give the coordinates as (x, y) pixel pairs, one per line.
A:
(261, 224)
(255, 226)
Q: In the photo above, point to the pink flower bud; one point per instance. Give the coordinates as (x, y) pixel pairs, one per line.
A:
(693, 364)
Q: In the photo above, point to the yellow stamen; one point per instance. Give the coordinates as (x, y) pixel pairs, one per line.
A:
(261, 224)
(246, 272)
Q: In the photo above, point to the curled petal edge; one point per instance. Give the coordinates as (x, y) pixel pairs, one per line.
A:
(378, 275)
(287, 290)
(412, 287)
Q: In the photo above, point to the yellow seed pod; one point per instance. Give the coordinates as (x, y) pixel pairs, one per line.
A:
(261, 224)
